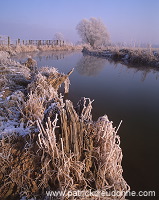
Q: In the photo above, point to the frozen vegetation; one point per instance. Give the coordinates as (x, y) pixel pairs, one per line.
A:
(13, 79)
(15, 49)
(143, 57)
(93, 32)
(48, 144)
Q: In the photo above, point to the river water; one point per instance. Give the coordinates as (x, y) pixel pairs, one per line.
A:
(123, 93)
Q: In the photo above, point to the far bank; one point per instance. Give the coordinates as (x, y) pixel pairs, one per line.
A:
(134, 56)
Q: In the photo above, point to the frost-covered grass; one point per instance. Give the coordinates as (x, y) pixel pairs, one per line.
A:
(13, 79)
(15, 49)
(128, 55)
(48, 144)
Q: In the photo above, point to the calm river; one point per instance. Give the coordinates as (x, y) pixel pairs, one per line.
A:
(128, 94)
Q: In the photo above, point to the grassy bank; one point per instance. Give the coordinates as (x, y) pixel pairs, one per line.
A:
(47, 143)
(15, 49)
(134, 56)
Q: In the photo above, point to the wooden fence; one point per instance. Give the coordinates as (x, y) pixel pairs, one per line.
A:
(8, 41)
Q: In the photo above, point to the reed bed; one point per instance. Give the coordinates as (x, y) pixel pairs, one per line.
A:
(61, 148)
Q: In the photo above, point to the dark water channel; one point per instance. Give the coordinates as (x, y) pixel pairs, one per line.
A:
(123, 93)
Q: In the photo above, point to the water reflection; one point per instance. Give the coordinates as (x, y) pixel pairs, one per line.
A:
(90, 66)
(51, 56)
(130, 68)
(44, 56)
(145, 72)
(87, 65)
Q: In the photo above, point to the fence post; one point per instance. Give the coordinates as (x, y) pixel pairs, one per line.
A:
(39, 42)
(18, 41)
(8, 41)
(52, 43)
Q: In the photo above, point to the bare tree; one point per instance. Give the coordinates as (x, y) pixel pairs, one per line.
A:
(93, 32)
(58, 36)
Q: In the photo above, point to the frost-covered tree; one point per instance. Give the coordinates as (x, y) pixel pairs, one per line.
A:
(93, 32)
(58, 36)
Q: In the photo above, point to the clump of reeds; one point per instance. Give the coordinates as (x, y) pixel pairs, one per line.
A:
(92, 147)
(30, 63)
(70, 152)
(41, 90)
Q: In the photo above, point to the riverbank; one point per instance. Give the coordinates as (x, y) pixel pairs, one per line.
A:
(47, 143)
(133, 56)
(16, 49)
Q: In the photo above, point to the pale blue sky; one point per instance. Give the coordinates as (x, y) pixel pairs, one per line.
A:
(126, 20)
